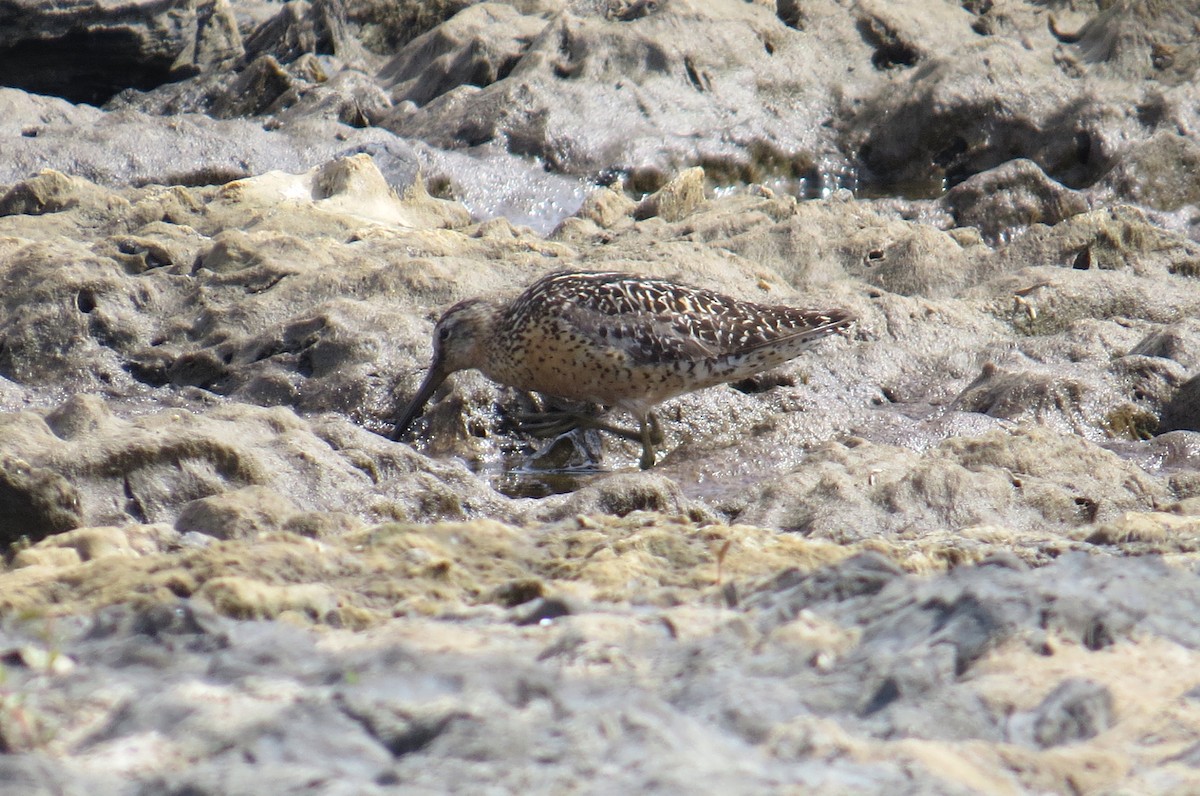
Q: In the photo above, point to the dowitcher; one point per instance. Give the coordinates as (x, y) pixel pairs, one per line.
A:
(619, 340)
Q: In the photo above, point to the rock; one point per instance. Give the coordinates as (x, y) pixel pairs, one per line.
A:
(606, 207)
(35, 502)
(958, 119)
(857, 651)
(791, 592)
(1178, 342)
(1076, 710)
(1140, 40)
(387, 26)
(49, 192)
(128, 147)
(869, 490)
(1182, 412)
(1010, 197)
(620, 495)
(1155, 530)
(528, 88)
(966, 524)
(149, 469)
(306, 28)
(240, 514)
(1155, 173)
(941, 80)
(946, 120)
(89, 544)
(243, 598)
(477, 46)
(56, 557)
(1043, 396)
(676, 200)
(351, 186)
(134, 45)
(914, 260)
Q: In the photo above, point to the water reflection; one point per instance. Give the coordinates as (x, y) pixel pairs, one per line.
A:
(524, 482)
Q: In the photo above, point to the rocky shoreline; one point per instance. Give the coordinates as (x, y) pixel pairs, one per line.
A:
(954, 552)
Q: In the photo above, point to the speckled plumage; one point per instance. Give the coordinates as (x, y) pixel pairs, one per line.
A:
(619, 340)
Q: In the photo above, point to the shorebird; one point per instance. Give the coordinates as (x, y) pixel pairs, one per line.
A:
(616, 339)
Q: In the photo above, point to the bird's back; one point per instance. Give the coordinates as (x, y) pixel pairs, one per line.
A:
(629, 341)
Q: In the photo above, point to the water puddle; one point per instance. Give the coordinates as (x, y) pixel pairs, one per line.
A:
(525, 482)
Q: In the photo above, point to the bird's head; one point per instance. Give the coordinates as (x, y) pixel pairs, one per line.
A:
(459, 343)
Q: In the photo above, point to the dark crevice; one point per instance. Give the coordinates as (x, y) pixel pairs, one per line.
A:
(698, 79)
(83, 66)
(133, 506)
(85, 301)
(635, 10)
(151, 372)
(887, 693)
(790, 13)
(762, 382)
(890, 50)
(889, 56)
(951, 152)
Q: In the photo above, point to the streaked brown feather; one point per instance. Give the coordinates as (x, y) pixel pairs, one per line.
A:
(619, 340)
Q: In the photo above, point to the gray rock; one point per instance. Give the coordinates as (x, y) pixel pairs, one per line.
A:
(962, 115)
(39, 774)
(791, 591)
(944, 118)
(621, 494)
(1076, 710)
(1140, 40)
(1010, 197)
(476, 47)
(131, 148)
(855, 653)
(235, 515)
(557, 73)
(89, 56)
(303, 28)
(1178, 342)
(1182, 412)
(966, 543)
(1157, 172)
(385, 26)
(35, 502)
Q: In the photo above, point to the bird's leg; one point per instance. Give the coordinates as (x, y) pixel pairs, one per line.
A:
(649, 431)
(549, 423)
(656, 435)
(562, 421)
(647, 459)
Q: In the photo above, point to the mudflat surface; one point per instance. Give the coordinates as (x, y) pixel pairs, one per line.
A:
(953, 551)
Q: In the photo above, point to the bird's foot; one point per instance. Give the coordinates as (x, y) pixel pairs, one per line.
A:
(556, 422)
(562, 421)
(547, 424)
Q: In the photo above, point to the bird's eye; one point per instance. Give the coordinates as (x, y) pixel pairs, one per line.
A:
(444, 334)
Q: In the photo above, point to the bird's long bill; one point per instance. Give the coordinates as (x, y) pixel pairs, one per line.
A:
(433, 379)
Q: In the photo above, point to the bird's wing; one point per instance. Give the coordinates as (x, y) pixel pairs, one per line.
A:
(652, 321)
(786, 326)
(644, 338)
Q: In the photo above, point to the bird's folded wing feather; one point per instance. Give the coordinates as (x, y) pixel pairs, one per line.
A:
(657, 323)
(644, 338)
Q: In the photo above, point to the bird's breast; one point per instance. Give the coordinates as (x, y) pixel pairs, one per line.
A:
(579, 368)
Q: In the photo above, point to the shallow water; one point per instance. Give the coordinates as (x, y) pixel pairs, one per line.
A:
(525, 482)
(492, 183)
